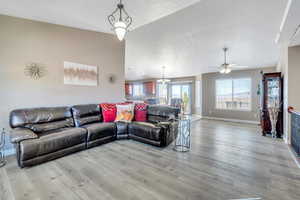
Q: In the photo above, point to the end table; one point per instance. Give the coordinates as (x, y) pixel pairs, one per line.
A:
(183, 139)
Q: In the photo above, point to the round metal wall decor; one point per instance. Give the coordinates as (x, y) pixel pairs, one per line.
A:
(35, 71)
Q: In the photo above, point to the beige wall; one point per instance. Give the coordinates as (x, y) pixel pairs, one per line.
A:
(208, 95)
(24, 41)
(294, 77)
(292, 88)
(289, 65)
(283, 68)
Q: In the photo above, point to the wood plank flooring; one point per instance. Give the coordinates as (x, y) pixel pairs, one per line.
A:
(227, 161)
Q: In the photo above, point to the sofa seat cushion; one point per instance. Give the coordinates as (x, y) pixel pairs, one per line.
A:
(99, 130)
(145, 130)
(52, 141)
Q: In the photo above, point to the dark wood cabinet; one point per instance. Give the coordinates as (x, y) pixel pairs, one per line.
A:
(128, 89)
(149, 88)
(271, 91)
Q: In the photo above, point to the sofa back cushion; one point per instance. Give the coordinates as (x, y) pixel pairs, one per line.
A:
(49, 126)
(42, 119)
(161, 113)
(86, 114)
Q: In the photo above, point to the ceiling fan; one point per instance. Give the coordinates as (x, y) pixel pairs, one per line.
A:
(226, 68)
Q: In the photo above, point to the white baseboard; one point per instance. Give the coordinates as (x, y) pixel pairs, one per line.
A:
(232, 120)
(197, 115)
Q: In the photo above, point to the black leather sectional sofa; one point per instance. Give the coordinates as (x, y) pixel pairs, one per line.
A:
(43, 134)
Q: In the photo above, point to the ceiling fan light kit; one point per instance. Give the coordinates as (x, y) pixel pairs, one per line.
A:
(225, 68)
(120, 21)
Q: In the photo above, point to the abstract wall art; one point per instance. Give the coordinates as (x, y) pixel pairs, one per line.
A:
(80, 74)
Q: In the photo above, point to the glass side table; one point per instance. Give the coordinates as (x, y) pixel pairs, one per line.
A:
(183, 139)
(2, 144)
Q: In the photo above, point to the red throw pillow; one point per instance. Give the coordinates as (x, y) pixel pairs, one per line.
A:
(109, 112)
(140, 112)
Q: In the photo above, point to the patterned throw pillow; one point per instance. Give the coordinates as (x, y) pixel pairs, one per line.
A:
(109, 112)
(140, 112)
(125, 113)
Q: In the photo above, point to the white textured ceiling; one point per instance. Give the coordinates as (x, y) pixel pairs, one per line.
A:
(90, 14)
(190, 41)
(290, 28)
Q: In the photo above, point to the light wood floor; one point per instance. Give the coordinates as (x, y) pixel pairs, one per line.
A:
(227, 161)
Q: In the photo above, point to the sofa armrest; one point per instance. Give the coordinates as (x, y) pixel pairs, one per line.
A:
(170, 131)
(19, 134)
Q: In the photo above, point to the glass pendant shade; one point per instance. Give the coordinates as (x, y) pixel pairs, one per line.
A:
(120, 30)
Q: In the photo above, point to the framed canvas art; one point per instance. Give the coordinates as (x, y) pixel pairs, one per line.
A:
(80, 74)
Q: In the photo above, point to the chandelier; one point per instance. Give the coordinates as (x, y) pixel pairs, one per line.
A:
(120, 21)
(163, 80)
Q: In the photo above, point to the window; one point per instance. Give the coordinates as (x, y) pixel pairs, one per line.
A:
(233, 94)
(176, 91)
(137, 90)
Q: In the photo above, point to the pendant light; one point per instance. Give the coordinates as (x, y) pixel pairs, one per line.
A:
(120, 21)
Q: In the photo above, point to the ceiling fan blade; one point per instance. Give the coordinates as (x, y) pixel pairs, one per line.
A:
(239, 67)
